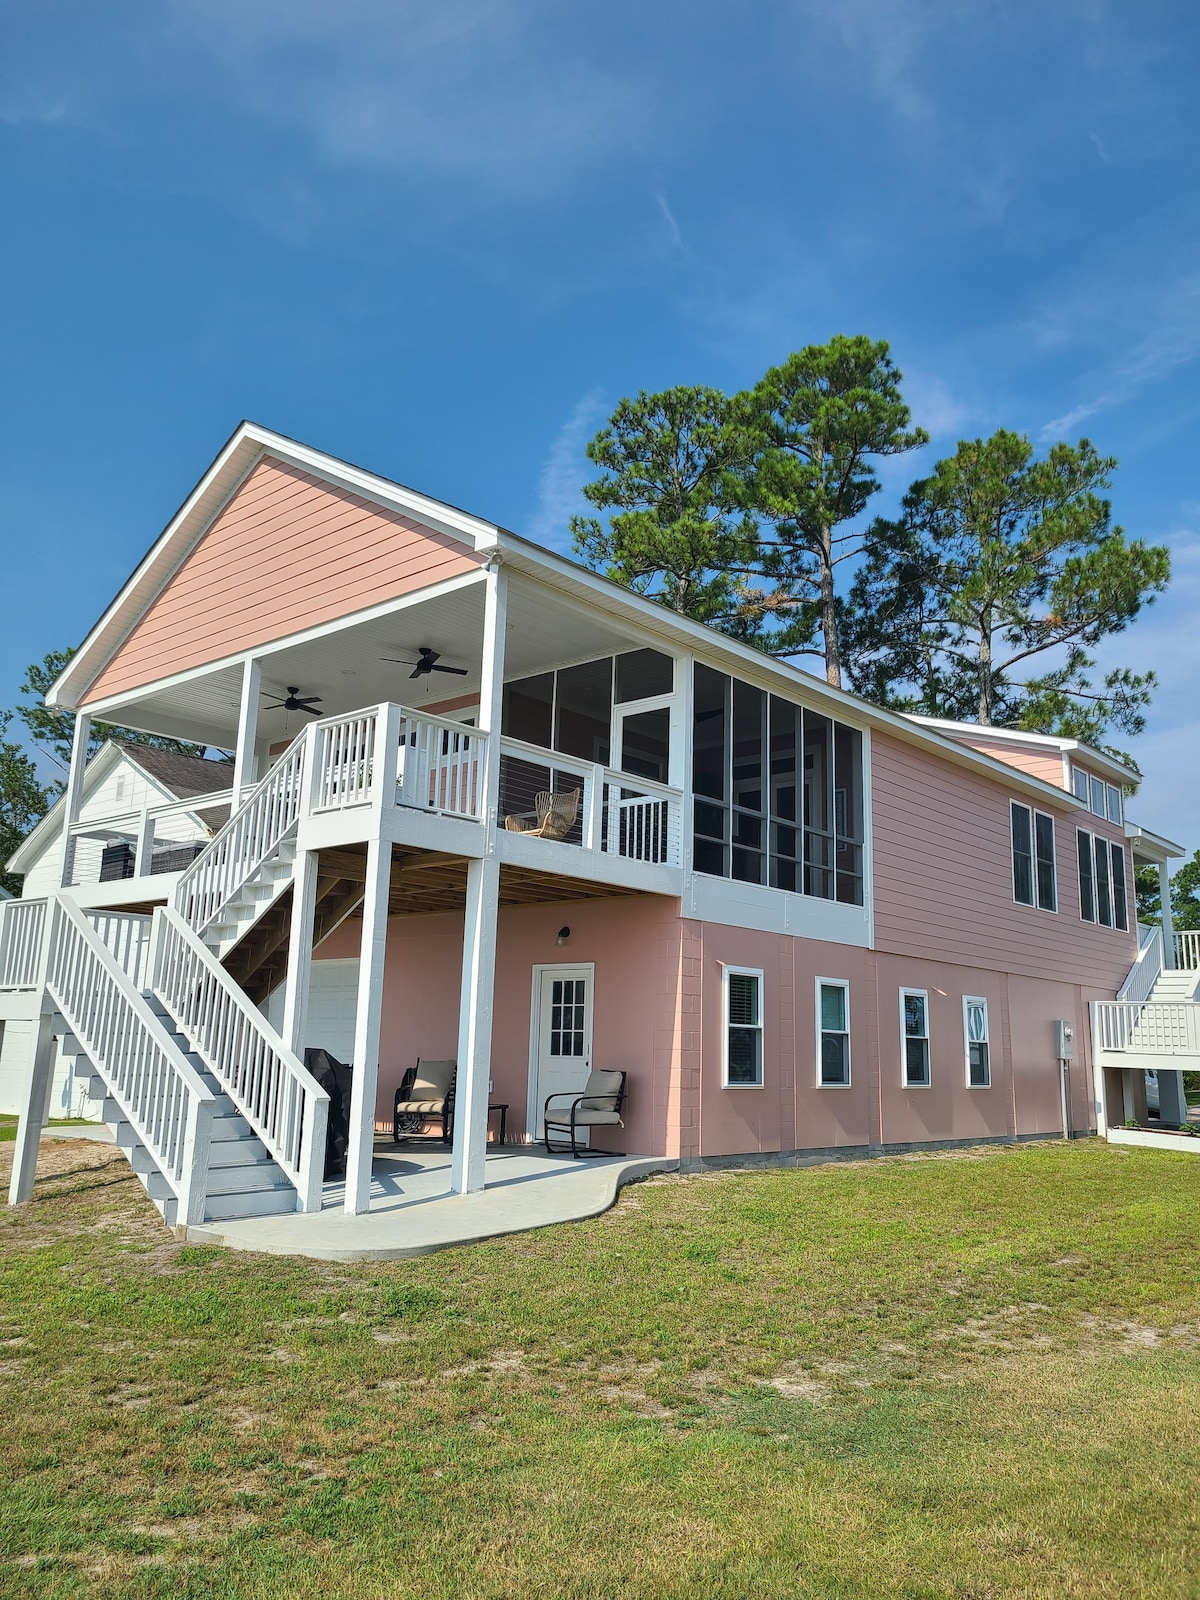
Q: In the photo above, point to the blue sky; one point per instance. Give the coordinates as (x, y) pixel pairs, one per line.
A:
(443, 240)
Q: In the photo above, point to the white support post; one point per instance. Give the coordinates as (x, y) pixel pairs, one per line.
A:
(475, 1026)
(300, 939)
(479, 919)
(366, 1025)
(244, 762)
(74, 794)
(593, 825)
(1168, 926)
(143, 860)
(34, 1112)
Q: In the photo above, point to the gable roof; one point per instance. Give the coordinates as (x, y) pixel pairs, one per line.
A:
(245, 448)
(177, 777)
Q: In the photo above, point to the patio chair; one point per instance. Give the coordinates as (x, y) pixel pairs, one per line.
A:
(553, 816)
(599, 1106)
(426, 1092)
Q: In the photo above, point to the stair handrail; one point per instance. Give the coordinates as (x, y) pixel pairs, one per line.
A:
(238, 850)
(22, 935)
(1149, 966)
(156, 1088)
(271, 1087)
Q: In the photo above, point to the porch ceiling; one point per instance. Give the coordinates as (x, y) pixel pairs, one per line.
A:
(346, 666)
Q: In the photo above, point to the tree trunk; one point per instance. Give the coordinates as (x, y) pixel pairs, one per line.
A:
(829, 631)
(985, 677)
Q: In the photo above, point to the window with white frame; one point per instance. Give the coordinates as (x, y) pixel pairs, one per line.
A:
(1102, 799)
(975, 1030)
(833, 1033)
(743, 1028)
(1103, 881)
(1035, 875)
(1114, 802)
(914, 1037)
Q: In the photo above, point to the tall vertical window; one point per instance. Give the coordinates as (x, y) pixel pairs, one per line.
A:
(1079, 783)
(1022, 854)
(975, 1027)
(1103, 883)
(1119, 892)
(1087, 877)
(833, 1033)
(914, 1037)
(777, 792)
(1097, 798)
(1114, 803)
(743, 1028)
(1033, 866)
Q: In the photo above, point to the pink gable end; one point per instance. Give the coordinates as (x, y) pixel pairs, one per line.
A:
(289, 551)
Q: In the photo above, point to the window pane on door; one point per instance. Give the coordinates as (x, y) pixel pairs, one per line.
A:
(567, 1003)
(646, 744)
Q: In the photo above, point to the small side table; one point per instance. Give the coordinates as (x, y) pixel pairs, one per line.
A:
(503, 1110)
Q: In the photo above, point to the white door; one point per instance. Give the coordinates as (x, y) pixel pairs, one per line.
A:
(332, 1007)
(562, 1053)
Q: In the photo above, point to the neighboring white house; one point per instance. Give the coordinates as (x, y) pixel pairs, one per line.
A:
(135, 804)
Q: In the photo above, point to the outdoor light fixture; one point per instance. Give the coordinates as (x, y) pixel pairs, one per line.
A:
(563, 935)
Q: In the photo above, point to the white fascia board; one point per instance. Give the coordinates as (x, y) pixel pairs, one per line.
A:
(678, 634)
(262, 653)
(1154, 846)
(1107, 764)
(240, 455)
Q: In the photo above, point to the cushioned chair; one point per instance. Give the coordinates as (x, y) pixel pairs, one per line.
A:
(426, 1092)
(599, 1106)
(553, 816)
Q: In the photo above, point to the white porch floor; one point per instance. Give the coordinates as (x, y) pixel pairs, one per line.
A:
(413, 1212)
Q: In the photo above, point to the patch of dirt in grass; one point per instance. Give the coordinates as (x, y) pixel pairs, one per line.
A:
(794, 1381)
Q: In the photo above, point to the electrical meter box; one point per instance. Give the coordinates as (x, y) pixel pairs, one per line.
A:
(1065, 1035)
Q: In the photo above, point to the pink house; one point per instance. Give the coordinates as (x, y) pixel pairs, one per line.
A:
(489, 808)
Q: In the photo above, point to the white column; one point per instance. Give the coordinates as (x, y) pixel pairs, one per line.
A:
(300, 938)
(144, 856)
(366, 1026)
(1168, 927)
(73, 794)
(244, 762)
(475, 1025)
(479, 918)
(34, 1112)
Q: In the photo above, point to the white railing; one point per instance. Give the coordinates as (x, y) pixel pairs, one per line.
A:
(440, 767)
(1187, 951)
(245, 842)
(1163, 1029)
(642, 820)
(279, 1098)
(1148, 967)
(345, 761)
(158, 1091)
(22, 930)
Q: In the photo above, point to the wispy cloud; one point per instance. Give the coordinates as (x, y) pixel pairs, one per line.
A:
(676, 233)
(565, 471)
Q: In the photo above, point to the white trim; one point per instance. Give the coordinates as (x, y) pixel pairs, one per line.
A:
(535, 1029)
(1107, 764)
(922, 994)
(977, 1000)
(728, 972)
(844, 985)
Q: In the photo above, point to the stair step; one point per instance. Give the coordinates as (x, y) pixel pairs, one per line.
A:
(240, 1149)
(260, 1203)
(252, 1178)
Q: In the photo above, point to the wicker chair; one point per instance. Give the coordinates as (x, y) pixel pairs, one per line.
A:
(599, 1106)
(553, 818)
(426, 1094)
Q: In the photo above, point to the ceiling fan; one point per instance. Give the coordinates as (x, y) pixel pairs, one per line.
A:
(297, 702)
(427, 663)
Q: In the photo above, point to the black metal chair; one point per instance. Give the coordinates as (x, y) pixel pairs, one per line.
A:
(426, 1093)
(599, 1106)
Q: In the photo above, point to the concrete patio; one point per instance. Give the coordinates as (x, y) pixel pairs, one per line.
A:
(413, 1212)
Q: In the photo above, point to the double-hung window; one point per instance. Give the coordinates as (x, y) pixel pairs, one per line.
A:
(833, 1033)
(914, 1037)
(1035, 876)
(743, 1028)
(975, 1029)
(1103, 881)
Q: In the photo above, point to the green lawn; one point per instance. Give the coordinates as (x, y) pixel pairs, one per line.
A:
(972, 1375)
(8, 1125)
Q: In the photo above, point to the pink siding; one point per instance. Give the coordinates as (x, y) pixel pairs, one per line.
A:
(1037, 762)
(943, 877)
(288, 552)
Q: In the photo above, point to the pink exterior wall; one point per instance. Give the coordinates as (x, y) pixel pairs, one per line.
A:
(1037, 762)
(289, 552)
(943, 876)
